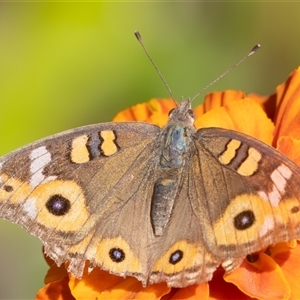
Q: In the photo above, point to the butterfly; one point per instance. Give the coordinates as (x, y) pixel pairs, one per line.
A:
(167, 204)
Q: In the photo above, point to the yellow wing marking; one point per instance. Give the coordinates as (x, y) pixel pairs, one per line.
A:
(108, 145)
(79, 152)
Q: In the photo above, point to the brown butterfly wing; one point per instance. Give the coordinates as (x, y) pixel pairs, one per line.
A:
(250, 192)
(63, 188)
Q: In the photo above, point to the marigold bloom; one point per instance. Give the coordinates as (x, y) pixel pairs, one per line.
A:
(274, 272)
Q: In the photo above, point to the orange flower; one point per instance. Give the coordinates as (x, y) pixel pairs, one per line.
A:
(270, 274)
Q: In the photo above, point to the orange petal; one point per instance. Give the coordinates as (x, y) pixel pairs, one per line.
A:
(58, 290)
(196, 291)
(236, 116)
(288, 258)
(267, 103)
(139, 112)
(222, 290)
(258, 98)
(287, 119)
(55, 273)
(162, 106)
(93, 284)
(100, 284)
(133, 289)
(290, 147)
(262, 280)
(217, 99)
(155, 111)
(159, 111)
(154, 291)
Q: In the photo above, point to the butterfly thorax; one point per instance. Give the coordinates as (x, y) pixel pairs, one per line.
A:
(176, 136)
(175, 141)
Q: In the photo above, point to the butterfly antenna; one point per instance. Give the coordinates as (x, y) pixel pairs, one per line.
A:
(139, 38)
(252, 51)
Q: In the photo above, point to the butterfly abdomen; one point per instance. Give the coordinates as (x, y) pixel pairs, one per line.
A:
(162, 204)
(175, 146)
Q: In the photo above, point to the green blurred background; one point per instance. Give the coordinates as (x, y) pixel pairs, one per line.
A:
(64, 65)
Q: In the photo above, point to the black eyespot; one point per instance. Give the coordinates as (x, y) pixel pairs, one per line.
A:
(170, 112)
(252, 257)
(58, 205)
(176, 257)
(244, 220)
(8, 188)
(191, 113)
(116, 254)
(295, 209)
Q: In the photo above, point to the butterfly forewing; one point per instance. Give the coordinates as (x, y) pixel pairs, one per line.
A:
(59, 187)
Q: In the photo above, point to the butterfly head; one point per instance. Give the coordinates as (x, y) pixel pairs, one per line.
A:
(183, 113)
